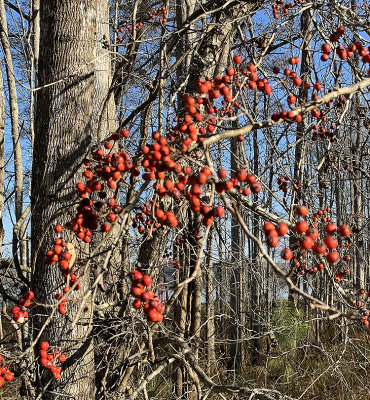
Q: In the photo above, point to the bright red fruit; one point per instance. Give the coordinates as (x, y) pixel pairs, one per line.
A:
(272, 241)
(332, 257)
(301, 210)
(306, 243)
(301, 227)
(330, 242)
(44, 345)
(330, 228)
(268, 226)
(344, 230)
(147, 280)
(313, 233)
(282, 228)
(287, 254)
(219, 211)
(136, 275)
(58, 228)
(237, 59)
(136, 304)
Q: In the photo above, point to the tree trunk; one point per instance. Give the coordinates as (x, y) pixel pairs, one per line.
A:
(2, 160)
(103, 76)
(235, 303)
(210, 308)
(62, 138)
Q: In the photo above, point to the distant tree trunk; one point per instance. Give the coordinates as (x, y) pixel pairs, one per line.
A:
(62, 138)
(19, 243)
(357, 202)
(104, 123)
(34, 60)
(235, 329)
(181, 315)
(210, 308)
(2, 160)
(103, 76)
(357, 164)
(256, 296)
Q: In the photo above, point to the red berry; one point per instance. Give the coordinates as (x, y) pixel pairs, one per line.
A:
(44, 345)
(301, 210)
(136, 304)
(282, 228)
(219, 211)
(9, 376)
(268, 226)
(287, 254)
(332, 257)
(147, 280)
(330, 228)
(301, 227)
(237, 59)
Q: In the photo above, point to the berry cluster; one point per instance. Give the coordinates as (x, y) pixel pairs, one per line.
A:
(5, 374)
(144, 221)
(127, 29)
(215, 100)
(159, 13)
(108, 170)
(157, 161)
(273, 233)
(146, 298)
(343, 52)
(308, 237)
(25, 301)
(322, 132)
(240, 176)
(334, 37)
(283, 182)
(363, 297)
(285, 7)
(49, 359)
(60, 254)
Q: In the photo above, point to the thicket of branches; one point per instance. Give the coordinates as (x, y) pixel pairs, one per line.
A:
(184, 199)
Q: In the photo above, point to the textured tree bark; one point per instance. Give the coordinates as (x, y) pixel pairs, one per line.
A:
(62, 138)
(103, 76)
(34, 60)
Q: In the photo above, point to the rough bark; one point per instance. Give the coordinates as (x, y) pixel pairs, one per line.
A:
(62, 138)
(103, 76)
(34, 60)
